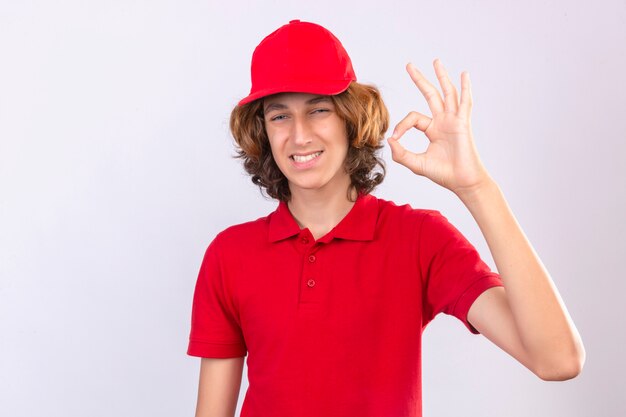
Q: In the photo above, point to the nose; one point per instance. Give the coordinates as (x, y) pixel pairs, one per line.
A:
(301, 131)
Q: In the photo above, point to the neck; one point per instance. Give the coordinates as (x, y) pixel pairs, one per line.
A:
(320, 211)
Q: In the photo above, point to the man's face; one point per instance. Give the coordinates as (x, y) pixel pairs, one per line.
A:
(308, 141)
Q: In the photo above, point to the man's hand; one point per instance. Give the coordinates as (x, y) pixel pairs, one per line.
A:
(527, 318)
(451, 159)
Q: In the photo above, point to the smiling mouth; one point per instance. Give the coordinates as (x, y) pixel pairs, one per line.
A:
(305, 158)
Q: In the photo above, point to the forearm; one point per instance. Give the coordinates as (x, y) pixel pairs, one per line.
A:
(528, 318)
(546, 332)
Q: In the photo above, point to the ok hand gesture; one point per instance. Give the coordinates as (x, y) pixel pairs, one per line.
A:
(451, 159)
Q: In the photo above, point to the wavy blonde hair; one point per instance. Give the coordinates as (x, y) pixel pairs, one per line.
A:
(366, 117)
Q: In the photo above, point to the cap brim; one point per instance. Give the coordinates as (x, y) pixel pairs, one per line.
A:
(327, 89)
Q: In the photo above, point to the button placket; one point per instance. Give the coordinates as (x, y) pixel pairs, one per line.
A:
(310, 275)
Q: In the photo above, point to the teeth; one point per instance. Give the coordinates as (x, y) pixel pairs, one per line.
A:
(306, 158)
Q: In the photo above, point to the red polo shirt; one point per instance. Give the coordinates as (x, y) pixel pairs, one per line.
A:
(333, 327)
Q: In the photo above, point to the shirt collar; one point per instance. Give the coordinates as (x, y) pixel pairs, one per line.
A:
(359, 223)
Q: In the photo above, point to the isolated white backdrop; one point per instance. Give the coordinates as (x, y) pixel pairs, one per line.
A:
(116, 171)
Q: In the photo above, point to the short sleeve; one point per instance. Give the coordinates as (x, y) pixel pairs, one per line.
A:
(215, 331)
(453, 273)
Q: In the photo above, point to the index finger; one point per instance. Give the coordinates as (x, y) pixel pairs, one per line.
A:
(413, 119)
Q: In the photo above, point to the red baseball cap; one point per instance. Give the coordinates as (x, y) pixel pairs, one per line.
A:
(299, 57)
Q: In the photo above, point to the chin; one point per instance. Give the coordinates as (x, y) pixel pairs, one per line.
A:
(318, 182)
(309, 186)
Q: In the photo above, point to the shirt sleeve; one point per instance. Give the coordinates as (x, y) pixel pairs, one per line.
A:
(215, 331)
(453, 273)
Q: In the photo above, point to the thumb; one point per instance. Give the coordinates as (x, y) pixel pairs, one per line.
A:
(411, 160)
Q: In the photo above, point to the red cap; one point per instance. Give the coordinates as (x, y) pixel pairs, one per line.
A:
(299, 57)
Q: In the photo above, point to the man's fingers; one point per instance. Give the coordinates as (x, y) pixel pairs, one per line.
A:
(413, 119)
(413, 161)
(449, 91)
(398, 152)
(465, 108)
(430, 93)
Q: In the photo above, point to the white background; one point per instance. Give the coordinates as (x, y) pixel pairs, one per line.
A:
(116, 171)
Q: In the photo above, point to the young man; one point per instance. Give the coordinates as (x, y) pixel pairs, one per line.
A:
(329, 294)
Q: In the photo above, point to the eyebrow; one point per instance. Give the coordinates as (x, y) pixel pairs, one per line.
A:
(281, 106)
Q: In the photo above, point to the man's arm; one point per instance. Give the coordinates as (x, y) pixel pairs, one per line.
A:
(218, 391)
(526, 318)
